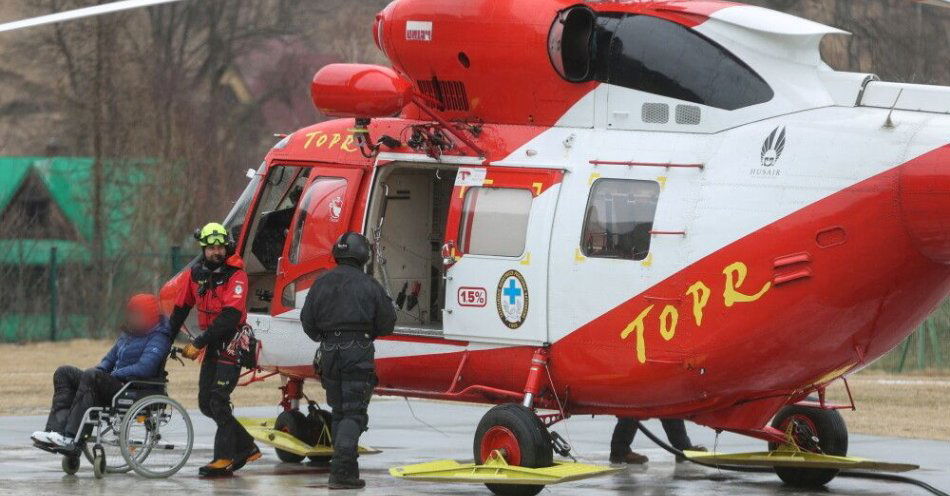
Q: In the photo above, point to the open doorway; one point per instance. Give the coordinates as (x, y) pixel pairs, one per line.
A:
(407, 221)
(268, 232)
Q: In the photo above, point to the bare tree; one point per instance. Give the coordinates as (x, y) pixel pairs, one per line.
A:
(144, 93)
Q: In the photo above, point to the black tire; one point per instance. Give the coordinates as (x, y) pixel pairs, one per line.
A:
(70, 464)
(832, 433)
(321, 426)
(98, 461)
(528, 440)
(294, 423)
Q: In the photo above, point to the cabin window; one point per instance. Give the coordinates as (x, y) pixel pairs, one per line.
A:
(495, 221)
(653, 55)
(619, 219)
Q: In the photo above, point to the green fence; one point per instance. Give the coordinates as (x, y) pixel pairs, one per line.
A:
(927, 349)
(66, 298)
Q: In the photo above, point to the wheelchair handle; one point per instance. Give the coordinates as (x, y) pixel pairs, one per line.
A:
(173, 354)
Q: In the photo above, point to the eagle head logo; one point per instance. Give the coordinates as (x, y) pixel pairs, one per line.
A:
(773, 146)
(336, 208)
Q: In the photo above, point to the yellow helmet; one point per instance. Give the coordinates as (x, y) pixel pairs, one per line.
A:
(213, 234)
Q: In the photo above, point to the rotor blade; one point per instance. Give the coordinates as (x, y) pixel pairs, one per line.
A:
(936, 3)
(70, 15)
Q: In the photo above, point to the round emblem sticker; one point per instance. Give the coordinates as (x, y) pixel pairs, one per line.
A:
(512, 299)
(336, 209)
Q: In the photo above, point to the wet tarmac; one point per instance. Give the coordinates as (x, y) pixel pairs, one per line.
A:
(423, 431)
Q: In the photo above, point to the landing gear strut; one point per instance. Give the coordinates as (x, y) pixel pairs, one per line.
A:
(516, 432)
(513, 449)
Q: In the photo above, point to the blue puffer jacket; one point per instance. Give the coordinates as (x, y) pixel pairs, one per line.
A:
(138, 357)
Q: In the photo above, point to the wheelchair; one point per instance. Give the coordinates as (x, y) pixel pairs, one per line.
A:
(142, 430)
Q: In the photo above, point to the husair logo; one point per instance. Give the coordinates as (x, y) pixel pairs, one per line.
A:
(772, 147)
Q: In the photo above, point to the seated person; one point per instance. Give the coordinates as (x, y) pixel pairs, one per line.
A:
(138, 353)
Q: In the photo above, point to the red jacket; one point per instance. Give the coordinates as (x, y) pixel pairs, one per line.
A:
(221, 298)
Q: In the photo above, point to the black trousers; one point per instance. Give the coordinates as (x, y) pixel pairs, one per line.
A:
(626, 430)
(74, 392)
(348, 374)
(216, 381)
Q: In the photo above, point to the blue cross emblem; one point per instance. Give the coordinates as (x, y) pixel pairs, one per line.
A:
(512, 291)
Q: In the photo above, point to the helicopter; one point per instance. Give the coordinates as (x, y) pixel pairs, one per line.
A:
(657, 209)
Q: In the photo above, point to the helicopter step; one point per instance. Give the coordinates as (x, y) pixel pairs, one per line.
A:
(793, 457)
(496, 470)
(265, 431)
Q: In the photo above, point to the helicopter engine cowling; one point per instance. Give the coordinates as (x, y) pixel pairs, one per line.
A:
(925, 203)
(359, 90)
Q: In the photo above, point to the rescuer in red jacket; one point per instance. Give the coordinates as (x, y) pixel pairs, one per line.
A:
(217, 285)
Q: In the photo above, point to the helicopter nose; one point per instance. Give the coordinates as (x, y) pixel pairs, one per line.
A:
(925, 203)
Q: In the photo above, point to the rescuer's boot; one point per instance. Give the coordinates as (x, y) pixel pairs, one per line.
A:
(253, 454)
(221, 467)
(346, 481)
(631, 458)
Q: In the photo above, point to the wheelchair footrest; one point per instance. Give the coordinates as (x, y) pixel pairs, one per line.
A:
(496, 470)
(55, 450)
(262, 429)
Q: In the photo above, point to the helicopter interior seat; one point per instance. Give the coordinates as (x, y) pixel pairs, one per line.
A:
(413, 212)
(271, 235)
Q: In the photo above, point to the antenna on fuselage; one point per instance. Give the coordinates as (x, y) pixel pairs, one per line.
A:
(889, 123)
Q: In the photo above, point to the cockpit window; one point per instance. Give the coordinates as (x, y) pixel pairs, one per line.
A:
(234, 221)
(649, 54)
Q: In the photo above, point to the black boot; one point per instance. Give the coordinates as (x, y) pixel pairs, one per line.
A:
(217, 468)
(346, 481)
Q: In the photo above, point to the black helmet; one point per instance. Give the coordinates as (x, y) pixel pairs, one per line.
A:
(352, 247)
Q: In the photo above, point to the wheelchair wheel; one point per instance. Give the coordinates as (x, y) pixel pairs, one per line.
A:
(70, 464)
(109, 441)
(98, 461)
(156, 437)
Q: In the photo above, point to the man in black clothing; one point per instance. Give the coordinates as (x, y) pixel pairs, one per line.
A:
(346, 309)
(626, 429)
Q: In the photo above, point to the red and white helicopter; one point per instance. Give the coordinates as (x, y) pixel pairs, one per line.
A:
(647, 209)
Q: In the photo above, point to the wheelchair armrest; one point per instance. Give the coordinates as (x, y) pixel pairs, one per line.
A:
(148, 383)
(125, 387)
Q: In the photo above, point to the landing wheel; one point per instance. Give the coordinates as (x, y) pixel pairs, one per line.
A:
(320, 422)
(70, 464)
(518, 434)
(815, 430)
(294, 423)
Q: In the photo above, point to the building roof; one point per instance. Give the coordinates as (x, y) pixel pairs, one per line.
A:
(68, 180)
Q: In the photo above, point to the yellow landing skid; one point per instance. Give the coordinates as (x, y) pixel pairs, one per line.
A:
(796, 458)
(262, 429)
(497, 471)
